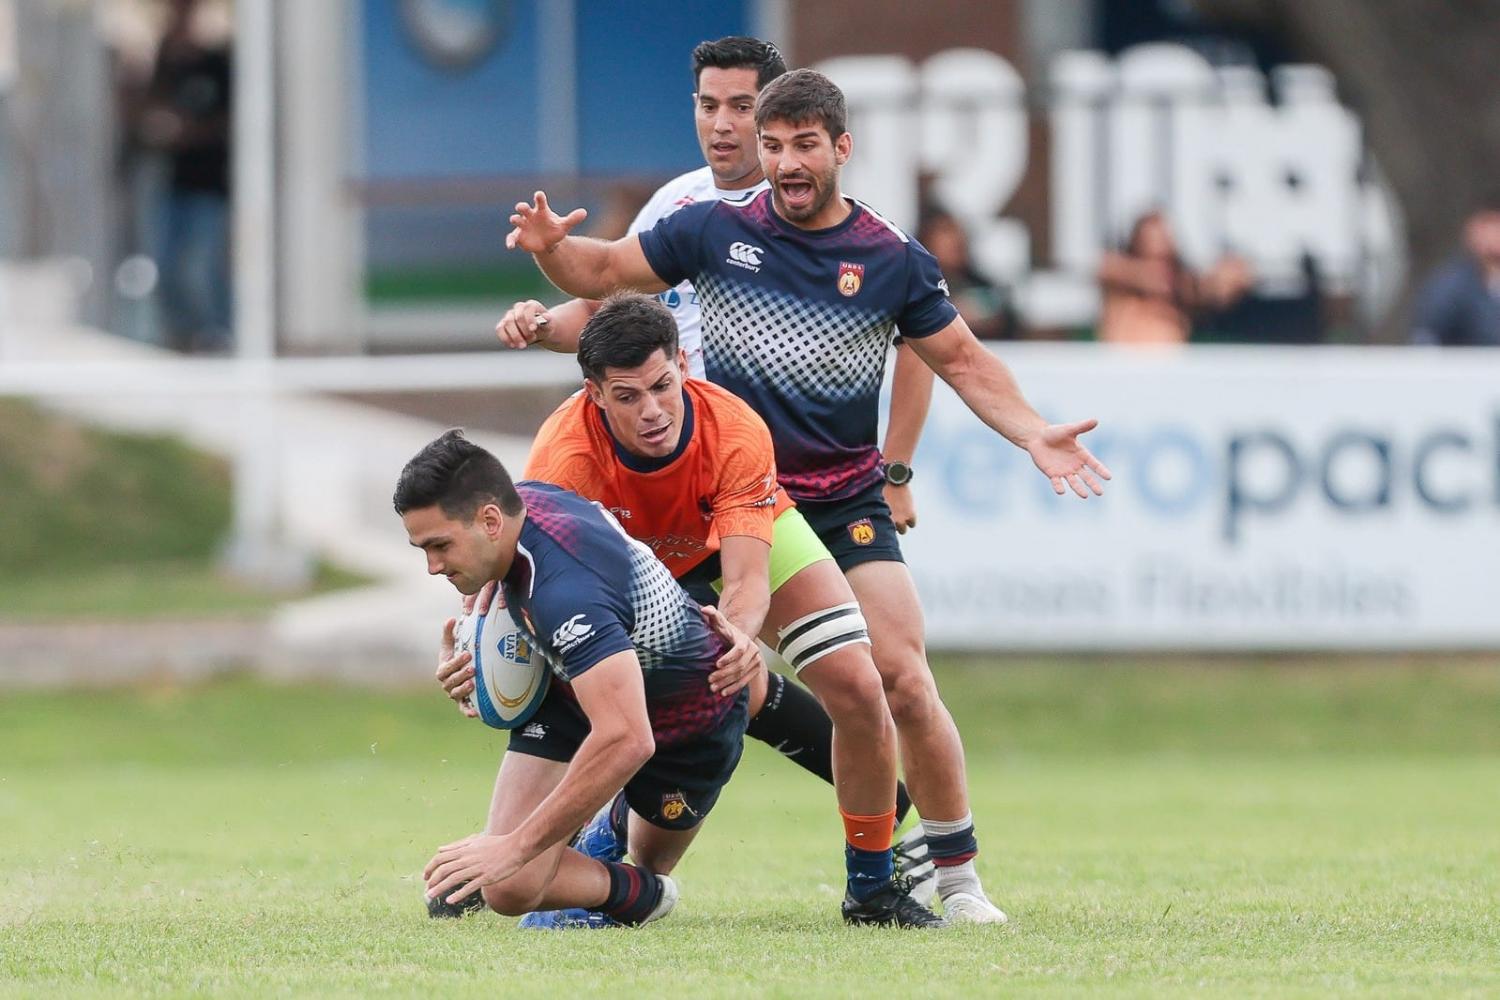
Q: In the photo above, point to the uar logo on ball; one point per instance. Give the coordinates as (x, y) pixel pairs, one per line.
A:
(510, 675)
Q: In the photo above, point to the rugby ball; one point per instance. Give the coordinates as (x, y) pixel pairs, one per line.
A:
(510, 675)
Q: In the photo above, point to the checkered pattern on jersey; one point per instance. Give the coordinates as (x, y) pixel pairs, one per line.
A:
(805, 350)
(812, 370)
(677, 651)
(666, 626)
(669, 629)
(549, 509)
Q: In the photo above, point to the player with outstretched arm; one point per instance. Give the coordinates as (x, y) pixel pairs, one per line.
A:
(688, 469)
(801, 291)
(728, 75)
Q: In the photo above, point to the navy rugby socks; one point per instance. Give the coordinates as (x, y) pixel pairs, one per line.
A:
(633, 893)
(952, 846)
(868, 872)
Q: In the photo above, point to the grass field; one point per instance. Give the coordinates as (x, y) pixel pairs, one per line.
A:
(129, 525)
(1187, 829)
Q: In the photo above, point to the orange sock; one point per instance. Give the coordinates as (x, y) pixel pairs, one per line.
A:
(870, 833)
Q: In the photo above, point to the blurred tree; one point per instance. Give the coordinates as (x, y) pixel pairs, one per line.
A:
(1421, 75)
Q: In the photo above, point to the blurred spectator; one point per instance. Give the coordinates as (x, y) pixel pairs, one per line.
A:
(1302, 313)
(1459, 304)
(1150, 295)
(983, 305)
(186, 116)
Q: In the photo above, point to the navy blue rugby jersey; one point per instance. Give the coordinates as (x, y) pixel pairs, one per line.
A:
(797, 323)
(582, 590)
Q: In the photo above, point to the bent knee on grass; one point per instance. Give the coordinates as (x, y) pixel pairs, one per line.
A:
(514, 896)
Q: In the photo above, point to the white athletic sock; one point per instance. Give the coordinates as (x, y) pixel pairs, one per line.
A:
(959, 878)
(947, 827)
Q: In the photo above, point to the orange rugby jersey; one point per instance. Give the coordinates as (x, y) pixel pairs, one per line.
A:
(721, 483)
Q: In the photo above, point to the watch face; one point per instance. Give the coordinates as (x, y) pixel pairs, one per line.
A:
(897, 473)
(455, 34)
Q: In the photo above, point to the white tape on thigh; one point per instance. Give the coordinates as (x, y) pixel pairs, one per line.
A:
(814, 636)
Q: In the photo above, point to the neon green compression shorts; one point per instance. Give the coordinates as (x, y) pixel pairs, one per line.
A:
(794, 547)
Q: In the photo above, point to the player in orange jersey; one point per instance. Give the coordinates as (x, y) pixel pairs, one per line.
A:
(688, 469)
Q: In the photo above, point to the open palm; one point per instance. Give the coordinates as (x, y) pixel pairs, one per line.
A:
(1062, 459)
(538, 228)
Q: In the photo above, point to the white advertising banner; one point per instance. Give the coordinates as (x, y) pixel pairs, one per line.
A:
(1263, 498)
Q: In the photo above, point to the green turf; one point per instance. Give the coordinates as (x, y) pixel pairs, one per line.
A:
(127, 525)
(1221, 829)
(75, 498)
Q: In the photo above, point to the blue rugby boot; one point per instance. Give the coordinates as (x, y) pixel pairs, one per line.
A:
(576, 918)
(603, 837)
(573, 918)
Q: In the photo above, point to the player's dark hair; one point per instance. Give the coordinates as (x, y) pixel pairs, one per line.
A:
(625, 332)
(739, 52)
(802, 96)
(458, 476)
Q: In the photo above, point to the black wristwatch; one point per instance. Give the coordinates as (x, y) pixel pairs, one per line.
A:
(897, 473)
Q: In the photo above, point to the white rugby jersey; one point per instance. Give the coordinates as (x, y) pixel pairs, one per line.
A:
(693, 186)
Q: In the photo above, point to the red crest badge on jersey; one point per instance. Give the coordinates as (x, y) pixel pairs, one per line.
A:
(851, 277)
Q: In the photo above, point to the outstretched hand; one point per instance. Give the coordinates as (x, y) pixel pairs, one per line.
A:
(1067, 463)
(537, 228)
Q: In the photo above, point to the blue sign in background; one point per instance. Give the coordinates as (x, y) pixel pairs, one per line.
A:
(423, 119)
(426, 120)
(635, 80)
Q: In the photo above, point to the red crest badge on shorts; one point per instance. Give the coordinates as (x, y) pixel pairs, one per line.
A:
(862, 532)
(851, 277)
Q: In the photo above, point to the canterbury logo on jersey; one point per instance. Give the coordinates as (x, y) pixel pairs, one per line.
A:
(570, 633)
(744, 255)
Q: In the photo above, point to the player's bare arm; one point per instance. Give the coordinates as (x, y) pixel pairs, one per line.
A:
(556, 329)
(911, 398)
(746, 563)
(580, 266)
(613, 697)
(987, 387)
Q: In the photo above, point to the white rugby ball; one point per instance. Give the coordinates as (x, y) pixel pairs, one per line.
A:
(510, 675)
